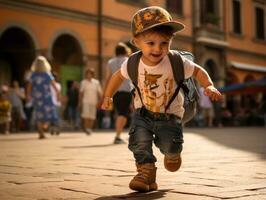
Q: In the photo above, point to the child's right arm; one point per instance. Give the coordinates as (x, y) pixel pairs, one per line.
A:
(111, 87)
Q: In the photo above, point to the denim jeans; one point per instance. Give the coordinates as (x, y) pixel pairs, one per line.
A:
(167, 135)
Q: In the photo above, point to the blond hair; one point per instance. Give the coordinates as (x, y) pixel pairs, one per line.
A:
(40, 64)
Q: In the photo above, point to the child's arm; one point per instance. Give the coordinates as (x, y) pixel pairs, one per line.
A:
(202, 76)
(111, 87)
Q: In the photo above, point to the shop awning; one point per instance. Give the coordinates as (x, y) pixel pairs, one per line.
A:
(211, 41)
(249, 87)
(249, 67)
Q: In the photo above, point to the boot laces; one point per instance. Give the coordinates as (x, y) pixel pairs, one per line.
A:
(175, 159)
(142, 174)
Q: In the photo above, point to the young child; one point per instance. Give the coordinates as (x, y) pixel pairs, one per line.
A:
(153, 30)
(5, 113)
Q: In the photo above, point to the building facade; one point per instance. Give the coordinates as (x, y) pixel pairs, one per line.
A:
(227, 37)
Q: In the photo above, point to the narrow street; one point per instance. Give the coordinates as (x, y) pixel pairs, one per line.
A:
(218, 163)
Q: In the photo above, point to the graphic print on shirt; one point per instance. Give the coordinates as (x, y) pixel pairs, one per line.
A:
(157, 90)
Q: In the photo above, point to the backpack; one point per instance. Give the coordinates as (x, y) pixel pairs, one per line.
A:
(191, 95)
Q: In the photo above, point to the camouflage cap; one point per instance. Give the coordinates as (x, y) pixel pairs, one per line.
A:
(153, 16)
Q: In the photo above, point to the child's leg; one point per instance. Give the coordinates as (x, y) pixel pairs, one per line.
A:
(140, 143)
(169, 139)
(145, 180)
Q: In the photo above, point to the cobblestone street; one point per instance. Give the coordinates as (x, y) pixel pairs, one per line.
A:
(218, 163)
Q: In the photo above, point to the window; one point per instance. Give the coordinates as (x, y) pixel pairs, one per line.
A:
(260, 23)
(236, 17)
(210, 12)
(175, 6)
(210, 6)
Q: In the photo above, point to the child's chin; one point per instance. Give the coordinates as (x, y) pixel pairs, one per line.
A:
(157, 59)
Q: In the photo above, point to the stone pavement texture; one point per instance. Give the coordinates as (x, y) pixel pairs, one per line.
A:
(218, 163)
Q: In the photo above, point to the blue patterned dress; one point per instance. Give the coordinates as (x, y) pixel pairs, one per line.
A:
(45, 110)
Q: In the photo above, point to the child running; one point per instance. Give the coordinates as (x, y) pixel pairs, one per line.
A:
(153, 30)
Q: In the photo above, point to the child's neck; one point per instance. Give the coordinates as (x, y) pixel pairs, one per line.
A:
(150, 63)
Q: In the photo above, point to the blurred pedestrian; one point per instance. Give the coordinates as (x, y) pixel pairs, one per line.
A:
(206, 107)
(217, 110)
(55, 125)
(90, 94)
(262, 111)
(5, 113)
(28, 109)
(16, 95)
(122, 97)
(72, 104)
(40, 92)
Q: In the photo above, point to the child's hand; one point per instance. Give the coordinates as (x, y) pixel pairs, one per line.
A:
(107, 103)
(213, 93)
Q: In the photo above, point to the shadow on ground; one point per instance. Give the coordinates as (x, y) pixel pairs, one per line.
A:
(18, 139)
(29, 136)
(135, 195)
(246, 139)
(89, 146)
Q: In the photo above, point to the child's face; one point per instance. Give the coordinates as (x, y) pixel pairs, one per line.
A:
(154, 47)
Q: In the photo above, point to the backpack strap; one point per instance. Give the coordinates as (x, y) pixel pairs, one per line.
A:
(133, 65)
(177, 65)
(178, 73)
(132, 70)
(177, 68)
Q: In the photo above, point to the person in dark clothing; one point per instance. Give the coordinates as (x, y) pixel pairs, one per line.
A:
(72, 104)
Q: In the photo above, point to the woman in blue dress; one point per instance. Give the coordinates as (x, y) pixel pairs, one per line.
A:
(39, 92)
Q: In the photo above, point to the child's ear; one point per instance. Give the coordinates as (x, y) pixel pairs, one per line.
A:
(135, 42)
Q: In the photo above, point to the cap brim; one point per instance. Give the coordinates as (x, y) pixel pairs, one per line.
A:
(177, 26)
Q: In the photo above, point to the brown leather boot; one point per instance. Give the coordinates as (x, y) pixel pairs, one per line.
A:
(145, 180)
(172, 162)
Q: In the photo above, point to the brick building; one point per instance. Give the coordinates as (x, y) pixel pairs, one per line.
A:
(228, 37)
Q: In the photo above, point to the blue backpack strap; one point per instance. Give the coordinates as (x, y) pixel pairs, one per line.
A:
(132, 70)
